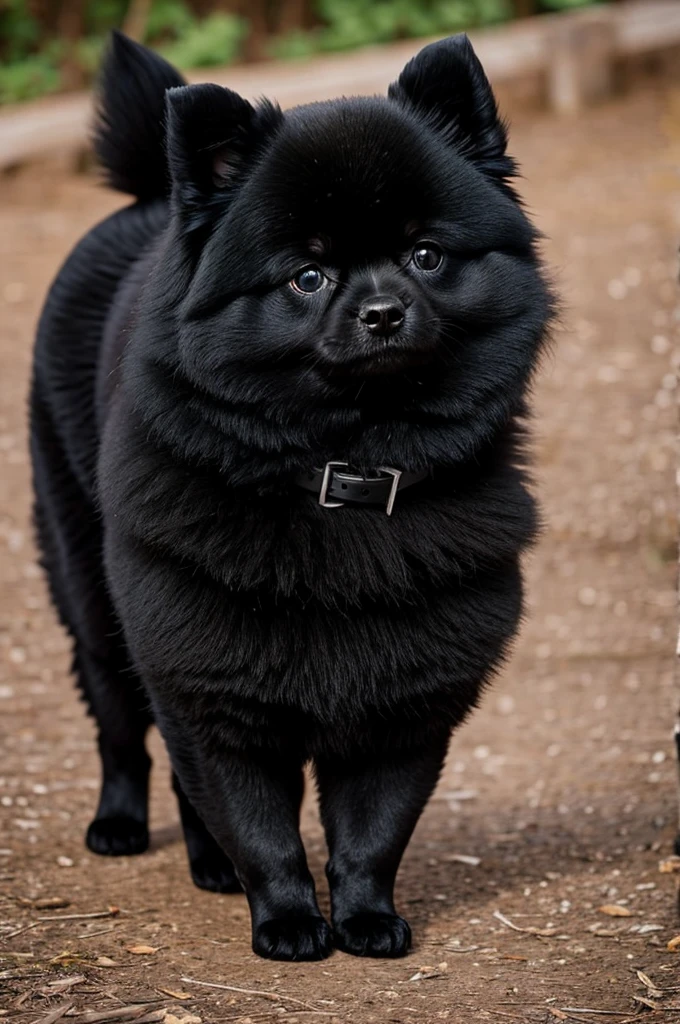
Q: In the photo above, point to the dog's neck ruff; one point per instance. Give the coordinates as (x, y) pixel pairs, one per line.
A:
(336, 485)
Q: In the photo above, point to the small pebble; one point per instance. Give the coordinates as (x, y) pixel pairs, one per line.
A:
(660, 344)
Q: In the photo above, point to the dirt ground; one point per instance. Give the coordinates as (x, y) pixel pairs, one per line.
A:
(563, 784)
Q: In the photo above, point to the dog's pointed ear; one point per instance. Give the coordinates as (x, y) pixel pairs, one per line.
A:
(446, 82)
(212, 132)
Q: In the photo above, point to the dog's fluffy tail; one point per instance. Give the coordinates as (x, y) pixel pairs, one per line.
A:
(129, 130)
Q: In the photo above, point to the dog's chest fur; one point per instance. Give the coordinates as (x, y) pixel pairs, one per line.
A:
(304, 622)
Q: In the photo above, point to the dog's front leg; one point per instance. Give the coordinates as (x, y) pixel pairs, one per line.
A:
(249, 801)
(369, 808)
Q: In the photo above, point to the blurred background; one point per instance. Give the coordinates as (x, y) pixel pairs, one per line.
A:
(49, 46)
(558, 802)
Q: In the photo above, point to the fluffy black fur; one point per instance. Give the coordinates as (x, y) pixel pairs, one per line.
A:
(181, 383)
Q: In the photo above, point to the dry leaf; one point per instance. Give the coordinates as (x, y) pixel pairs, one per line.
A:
(172, 992)
(558, 1013)
(614, 910)
(189, 1018)
(61, 984)
(646, 1002)
(674, 944)
(424, 973)
(51, 903)
(669, 865)
(67, 958)
(649, 985)
(142, 950)
(105, 961)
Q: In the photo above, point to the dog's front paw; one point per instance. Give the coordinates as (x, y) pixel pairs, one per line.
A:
(369, 934)
(303, 937)
(215, 872)
(117, 837)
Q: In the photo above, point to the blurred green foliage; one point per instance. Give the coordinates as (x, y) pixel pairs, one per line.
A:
(30, 77)
(31, 58)
(564, 5)
(215, 39)
(34, 52)
(18, 30)
(347, 24)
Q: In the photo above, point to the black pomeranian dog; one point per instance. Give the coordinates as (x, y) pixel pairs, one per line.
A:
(277, 434)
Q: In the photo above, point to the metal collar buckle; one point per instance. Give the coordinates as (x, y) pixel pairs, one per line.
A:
(330, 469)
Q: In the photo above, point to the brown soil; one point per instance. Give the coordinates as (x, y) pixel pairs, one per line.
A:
(563, 784)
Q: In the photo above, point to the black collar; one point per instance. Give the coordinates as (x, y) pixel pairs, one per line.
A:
(336, 484)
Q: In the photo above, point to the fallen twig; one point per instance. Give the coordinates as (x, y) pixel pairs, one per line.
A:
(11, 975)
(100, 931)
(585, 1009)
(112, 912)
(264, 1014)
(54, 1015)
(543, 932)
(138, 1012)
(24, 928)
(275, 996)
(648, 1016)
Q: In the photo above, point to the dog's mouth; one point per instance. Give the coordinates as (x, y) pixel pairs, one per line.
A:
(373, 360)
(382, 364)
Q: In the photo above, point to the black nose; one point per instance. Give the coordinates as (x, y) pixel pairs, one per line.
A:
(383, 314)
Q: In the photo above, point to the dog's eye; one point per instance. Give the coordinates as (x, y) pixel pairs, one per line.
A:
(427, 256)
(308, 280)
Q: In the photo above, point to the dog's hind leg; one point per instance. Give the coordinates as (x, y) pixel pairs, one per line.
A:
(69, 536)
(120, 825)
(116, 700)
(209, 865)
